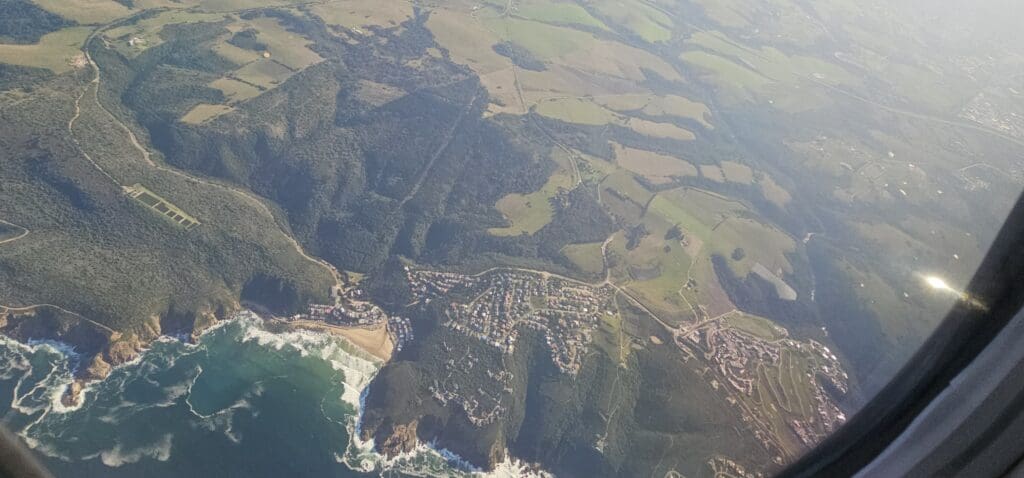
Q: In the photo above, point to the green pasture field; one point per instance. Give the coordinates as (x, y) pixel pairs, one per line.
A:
(203, 112)
(55, 51)
(575, 110)
(528, 213)
(647, 22)
(586, 257)
(557, 13)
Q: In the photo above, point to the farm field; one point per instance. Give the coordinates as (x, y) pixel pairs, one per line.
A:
(774, 193)
(737, 173)
(146, 31)
(659, 130)
(724, 225)
(773, 63)
(712, 172)
(286, 53)
(378, 94)
(655, 167)
(528, 213)
(765, 73)
(285, 47)
(623, 195)
(544, 41)
(587, 257)
(611, 339)
(86, 12)
(575, 110)
(739, 78)
(265, 73)
(202, 113)
(669, 268)
(237, 55)
(680, 107)
(640, 18)
(234, 5)
(658, 106)
(362, 13)
(754, 325)
(558, 36)
(468, 40)
(655, 271)
(235, 90)
(558, 13)
(587, 112)
(58, 52)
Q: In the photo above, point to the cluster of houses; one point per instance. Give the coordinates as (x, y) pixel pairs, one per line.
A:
(733, 356)
(351, 313)
(986, 112)
(495, 307)
(400, 329)
(738, 357)
(360, 314)
(722, 466)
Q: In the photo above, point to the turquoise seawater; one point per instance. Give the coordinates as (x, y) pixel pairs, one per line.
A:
(239, 402)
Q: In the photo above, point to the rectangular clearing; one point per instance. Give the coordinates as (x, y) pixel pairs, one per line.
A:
(203, 112)
(155, 202)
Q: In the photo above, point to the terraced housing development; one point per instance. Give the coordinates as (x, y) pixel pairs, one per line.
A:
(794, 376)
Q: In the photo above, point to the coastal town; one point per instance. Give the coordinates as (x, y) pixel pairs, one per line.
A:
(350, 311)
(754, 370)
(494, 306)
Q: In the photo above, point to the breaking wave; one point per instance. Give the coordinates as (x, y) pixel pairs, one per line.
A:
(160, 451)
(239, 396)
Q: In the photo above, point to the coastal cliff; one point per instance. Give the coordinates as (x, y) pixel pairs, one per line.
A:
(98, 348)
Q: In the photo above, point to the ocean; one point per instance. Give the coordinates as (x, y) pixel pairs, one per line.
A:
(240, 402)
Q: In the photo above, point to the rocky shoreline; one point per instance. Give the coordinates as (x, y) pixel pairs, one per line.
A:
(98, 351)
(99, 348)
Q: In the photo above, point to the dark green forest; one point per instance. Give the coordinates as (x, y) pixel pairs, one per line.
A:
(22, 21)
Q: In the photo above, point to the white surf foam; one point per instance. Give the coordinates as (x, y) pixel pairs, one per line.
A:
(358, 370)
(118, 456)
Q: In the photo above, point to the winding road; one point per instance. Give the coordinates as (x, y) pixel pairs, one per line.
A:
(32, 308)
(24, 232)
(148, 160)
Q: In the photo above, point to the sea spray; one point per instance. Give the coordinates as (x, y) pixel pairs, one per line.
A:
(239, 401)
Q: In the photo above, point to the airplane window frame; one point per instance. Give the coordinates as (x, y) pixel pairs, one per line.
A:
(998, 292)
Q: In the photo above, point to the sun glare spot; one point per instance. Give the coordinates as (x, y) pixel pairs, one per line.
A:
(937, 283)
